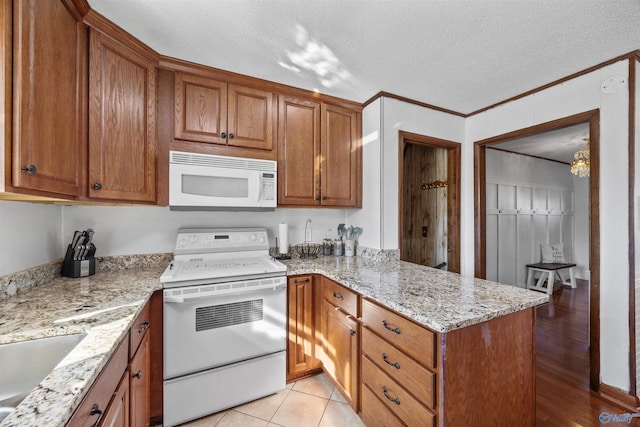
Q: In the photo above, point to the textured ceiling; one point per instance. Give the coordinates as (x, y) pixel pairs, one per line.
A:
(455, 54)
(559, 145)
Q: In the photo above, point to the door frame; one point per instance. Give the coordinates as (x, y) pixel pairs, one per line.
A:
(454, 153)
(480, 182)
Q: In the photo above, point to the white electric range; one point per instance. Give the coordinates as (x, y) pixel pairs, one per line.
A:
(224, 322)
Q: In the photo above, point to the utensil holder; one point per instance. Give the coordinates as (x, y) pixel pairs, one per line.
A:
(349, 247)
(77, 267)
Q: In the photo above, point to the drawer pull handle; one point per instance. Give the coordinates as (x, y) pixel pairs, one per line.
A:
(137, 375)
(144, 327)
(301, 280)
(95, 410)
(337, 296)
(389, 328)
(395, 364)
(393, 399)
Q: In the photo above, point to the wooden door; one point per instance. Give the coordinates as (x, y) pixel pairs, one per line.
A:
(139, 380)
(200, 109)
(298, 152)
(49, 63)
(250, 118)
(340, 147)
(300, 346)
(425, 206)
(341, 351)
(122, 128)
(117, 414)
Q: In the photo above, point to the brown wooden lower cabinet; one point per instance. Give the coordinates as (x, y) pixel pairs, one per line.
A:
(120, 396)
(395, 371)
(117, 414)
(480, 375)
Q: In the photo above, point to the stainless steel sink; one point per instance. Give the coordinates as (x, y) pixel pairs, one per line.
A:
(24, 364)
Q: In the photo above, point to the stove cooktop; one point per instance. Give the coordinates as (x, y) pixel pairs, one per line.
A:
(205, 256)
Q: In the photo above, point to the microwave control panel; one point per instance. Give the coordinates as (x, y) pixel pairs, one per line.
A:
(268, 186)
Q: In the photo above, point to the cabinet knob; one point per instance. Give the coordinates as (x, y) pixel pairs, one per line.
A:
(137, 375)
(352, 332)
(31, 169)
(97, 186)
(231, 136)
(318, 198)
(144, 327)
(324, 197)
(223, 135)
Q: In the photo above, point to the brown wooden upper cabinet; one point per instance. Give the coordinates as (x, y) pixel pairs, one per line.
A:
(319, 154)
(49, 57)
(122, 122)
(217, 112)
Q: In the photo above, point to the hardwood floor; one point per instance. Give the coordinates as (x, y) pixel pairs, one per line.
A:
(563, 397)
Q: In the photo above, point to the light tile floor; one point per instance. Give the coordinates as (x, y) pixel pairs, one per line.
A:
(311, 402)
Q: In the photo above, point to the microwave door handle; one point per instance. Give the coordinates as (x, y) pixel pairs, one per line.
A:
(259, 189)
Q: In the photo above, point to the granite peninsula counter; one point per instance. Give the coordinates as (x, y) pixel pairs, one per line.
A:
(438, 299)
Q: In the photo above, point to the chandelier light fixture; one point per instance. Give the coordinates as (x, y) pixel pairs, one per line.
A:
(581, 163)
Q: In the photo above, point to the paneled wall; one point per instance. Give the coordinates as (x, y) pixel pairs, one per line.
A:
(521, 217)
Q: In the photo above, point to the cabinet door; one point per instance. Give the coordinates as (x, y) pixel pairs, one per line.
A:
(200, 109)
(250, 118)
(139, 377)
(49, 59)
(298, 152)
(117, 414)
(340, 147)
(300, 351)
(122, 134)
(341, 355)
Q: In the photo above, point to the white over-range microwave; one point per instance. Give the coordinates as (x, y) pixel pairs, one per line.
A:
(209, 182)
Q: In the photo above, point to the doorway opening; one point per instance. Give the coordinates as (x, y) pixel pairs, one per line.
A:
(429, 201)
(544, 219)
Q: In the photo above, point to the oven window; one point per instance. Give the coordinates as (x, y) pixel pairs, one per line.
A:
(215, 186)
(223, 315)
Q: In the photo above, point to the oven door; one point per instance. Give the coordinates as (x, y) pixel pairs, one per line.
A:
(206, 329)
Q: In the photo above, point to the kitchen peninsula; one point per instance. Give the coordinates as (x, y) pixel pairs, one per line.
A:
(457, 311)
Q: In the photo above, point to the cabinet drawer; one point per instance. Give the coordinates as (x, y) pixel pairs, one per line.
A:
(375, 413)
(394, 397)
(102, 389)
(139, 327)
(414, 340)
(414, 378)
(340, 296)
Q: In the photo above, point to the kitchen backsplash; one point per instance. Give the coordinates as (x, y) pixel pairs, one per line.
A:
(23, 280)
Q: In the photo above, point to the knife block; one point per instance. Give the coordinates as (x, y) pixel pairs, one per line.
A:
(77, 267)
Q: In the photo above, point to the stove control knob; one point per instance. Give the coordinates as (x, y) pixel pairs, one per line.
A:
(261, 239)
(193, 238)
(253, 237)
(182, 243)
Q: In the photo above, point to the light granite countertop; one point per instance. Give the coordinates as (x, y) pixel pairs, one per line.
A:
(438, 299)
(102, 306)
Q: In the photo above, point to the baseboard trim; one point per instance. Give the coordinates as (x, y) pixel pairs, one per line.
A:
(619, 397)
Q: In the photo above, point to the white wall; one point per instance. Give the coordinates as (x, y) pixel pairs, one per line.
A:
(29, 235)
(575, 96)
(581, 223)
(150, 229)
(517, 187)
(372, 212)
(382, 120)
